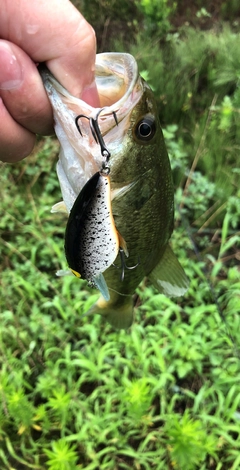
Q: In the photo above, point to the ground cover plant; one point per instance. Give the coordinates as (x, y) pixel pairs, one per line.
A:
(75, 393)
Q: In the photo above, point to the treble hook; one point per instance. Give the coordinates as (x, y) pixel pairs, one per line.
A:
(96, 131)
(123, 264)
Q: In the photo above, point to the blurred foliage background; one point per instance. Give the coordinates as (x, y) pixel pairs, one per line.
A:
(74, 393)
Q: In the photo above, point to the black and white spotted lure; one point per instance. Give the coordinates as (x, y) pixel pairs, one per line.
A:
(91, 238)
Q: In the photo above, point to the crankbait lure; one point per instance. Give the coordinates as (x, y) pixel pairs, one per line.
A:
(91, 238)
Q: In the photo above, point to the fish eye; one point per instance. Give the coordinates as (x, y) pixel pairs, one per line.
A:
(145, 128)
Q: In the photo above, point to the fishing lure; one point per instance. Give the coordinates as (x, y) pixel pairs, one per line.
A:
(91, 238)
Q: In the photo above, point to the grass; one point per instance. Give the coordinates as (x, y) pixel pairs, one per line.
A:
(195, 77)
(74, 393)
(77, 394)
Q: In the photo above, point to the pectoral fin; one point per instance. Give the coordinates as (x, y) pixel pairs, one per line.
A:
(168, 276)
(64, 272)
(122, 190)
(59, 207)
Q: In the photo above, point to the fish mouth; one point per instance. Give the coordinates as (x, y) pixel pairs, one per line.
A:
(120, 87)
(118, 84)
(116, 77)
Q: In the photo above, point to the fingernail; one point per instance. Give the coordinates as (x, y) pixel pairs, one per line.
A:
(11, 74)
(90, 95)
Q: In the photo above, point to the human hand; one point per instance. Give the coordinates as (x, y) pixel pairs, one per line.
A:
(51, 31)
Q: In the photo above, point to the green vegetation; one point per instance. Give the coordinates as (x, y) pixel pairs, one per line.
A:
(76, 394)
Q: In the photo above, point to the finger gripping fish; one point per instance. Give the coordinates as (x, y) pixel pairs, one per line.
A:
(91, 238)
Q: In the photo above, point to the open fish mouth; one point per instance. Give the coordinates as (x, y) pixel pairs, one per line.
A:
(120, 88)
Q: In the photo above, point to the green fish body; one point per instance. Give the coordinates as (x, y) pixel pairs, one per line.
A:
(142, 193)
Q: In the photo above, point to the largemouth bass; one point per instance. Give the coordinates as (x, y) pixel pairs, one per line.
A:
(142, 197)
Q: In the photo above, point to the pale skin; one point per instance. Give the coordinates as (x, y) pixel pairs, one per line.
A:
(33, 31)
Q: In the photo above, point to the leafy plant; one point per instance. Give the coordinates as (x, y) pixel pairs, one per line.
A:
(62, 456)
(189, 443)
(156, 14)
(137, 394)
